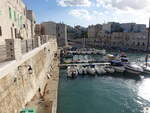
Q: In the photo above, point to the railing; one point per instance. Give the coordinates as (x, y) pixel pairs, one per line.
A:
(14, 48)
(28, 45)
(3, 53)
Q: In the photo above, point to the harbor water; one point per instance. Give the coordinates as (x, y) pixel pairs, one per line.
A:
(114, 93)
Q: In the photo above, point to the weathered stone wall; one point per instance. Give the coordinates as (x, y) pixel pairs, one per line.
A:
(17, 85)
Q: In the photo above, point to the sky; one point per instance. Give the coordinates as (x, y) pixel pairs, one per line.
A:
(88, 12)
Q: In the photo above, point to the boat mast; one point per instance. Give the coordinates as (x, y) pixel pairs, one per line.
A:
(148, 43)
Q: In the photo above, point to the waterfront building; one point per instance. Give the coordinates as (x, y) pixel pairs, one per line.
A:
(38, 30)
(31, 23)
(14, 21)
(127, 27)
(61, 34)
(94, 30)
(133, 27)
(111, 27)
(48, 28)
(139, 28)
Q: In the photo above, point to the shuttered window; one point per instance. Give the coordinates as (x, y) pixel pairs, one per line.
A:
(0, 31)
(10, 15)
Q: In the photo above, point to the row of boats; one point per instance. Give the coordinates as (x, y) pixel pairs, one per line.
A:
(84, 51)
(114, 64)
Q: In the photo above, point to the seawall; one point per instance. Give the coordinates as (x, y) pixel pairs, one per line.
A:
(21, 79)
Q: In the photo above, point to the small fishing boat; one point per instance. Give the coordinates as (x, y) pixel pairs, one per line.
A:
(118, 66)
(100, 70)
(109, 57)
(79, 69)
(109, 69)
(72, 72)
(133, 68)
(91, 70)
(84, 69)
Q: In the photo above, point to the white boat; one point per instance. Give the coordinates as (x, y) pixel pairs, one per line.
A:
(146, 69)
(134, 69)
(72, 72)
(100, 70)
(120, 69)
(118, 66)
(84, 70)
(109, 69)
(91, 70)
(80, 70)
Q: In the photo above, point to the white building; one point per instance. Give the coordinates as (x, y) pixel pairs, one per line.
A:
(14, 23)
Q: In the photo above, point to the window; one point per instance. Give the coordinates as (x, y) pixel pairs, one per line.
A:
(15, 16)
(0, 31)
(21, 20)
(10, 15)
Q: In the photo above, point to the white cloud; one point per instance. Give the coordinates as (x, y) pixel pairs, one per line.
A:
(125, 4)
(81, 14)
(65, 3)
(109, 15)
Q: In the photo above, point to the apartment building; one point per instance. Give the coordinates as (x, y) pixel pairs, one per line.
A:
(14, 22)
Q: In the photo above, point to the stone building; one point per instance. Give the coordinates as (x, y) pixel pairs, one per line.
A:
(14, 22)
(133, 27)
(111, 27)
(38, 30)
(61, 34)
(48, 28)
(58, 30)
(94, 30)
(31, 23)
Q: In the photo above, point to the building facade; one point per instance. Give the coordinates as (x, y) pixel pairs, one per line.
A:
(94, 30)
(61, 34)
(48, 28)
(14, 22)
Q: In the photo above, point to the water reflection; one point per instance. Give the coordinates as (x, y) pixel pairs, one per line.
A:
(144, 89)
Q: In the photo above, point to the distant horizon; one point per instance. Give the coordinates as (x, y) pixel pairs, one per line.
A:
(90, 12)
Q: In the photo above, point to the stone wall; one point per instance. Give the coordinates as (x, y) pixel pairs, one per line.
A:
(18, 84)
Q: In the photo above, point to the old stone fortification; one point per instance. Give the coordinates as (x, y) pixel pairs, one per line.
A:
(18, 83)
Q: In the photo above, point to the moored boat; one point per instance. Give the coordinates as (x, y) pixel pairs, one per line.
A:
(91, 70)
(72, 72)
(100, 70)
(118, 66)
(134, 69)
(109, 69)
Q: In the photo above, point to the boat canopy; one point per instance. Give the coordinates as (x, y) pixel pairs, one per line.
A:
(116, 63)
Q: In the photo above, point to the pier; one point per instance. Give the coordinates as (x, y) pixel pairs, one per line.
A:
(83, 64)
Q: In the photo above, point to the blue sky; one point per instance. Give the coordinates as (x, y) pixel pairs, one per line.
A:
(86, 12)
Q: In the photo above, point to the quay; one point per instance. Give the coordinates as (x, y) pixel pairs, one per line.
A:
(83, 64)
(87, 52)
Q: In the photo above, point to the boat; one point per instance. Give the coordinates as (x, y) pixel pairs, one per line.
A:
(72, 72)
(84, 69)
(146, 69)
(91, 70)
(80, 70)
(133, 68)
(118, 66)
(109, 57)
(109, 69)
(100, 70)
